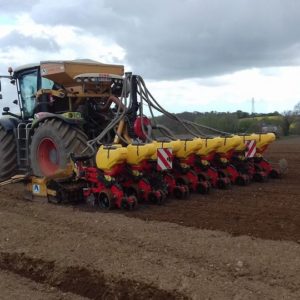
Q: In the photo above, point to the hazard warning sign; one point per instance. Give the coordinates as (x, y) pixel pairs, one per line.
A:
(250, 148)
(164, 159)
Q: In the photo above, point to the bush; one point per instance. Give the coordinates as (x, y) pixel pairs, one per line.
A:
(295, 127)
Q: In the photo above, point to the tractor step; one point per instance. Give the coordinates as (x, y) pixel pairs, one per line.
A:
(22, 133)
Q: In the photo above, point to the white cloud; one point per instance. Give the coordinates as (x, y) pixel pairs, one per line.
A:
(73, 43)
(274, 88)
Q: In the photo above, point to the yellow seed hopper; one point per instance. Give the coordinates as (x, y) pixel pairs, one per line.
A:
(189, 147)
(139, 153)
(108, 157)
(210, 145)
(229, 144)
(174, 145)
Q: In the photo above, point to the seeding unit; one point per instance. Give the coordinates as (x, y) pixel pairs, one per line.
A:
(83, 134)
(150, 172)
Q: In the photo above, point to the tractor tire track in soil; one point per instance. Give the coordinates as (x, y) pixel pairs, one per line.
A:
(60, 251)
(15, 287)
(174, 259)
(91, 284)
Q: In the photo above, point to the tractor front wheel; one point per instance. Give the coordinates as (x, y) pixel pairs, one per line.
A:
(51, 145)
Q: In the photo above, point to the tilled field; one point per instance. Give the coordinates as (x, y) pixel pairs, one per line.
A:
(242, 243)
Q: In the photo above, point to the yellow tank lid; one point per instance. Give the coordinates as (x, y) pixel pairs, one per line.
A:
(210, 145)
(229, 143)
(264, 139)
(246, 137)
(138, 153)
(108, 157)
(189, 147)
(174, 145)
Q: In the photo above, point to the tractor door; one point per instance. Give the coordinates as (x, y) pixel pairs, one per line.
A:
(28, 85)
(30, 81)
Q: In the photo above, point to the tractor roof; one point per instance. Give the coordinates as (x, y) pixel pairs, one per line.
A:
(76, 61)
(26, 67)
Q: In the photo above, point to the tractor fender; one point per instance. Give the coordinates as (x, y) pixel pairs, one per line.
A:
(46, 116)
(9, 124)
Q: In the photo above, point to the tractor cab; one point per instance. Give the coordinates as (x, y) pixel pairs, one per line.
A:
(55, 86)
(29, 81)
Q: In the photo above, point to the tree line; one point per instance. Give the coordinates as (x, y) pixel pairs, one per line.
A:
(284, 123)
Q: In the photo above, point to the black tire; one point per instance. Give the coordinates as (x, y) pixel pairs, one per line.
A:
(240, 180)
(105, 201)
(203, 187)
(274, 174)
(63, 137)
(258, 177)
(8, 154)
(178, 193)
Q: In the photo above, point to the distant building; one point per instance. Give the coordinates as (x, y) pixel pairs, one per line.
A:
(271, 128)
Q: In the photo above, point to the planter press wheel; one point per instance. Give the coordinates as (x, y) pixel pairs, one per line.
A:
(105, 200)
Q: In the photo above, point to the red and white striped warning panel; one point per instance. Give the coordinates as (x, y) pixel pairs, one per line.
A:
(250, 148)
(164, 159)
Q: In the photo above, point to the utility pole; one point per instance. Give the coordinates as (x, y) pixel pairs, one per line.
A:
(252, 106)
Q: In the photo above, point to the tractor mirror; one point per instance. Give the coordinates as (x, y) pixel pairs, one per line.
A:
(6, 109)
(0, 96)
(15, 102)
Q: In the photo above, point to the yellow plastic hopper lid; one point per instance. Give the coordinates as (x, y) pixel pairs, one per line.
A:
(229, 143)
(210, 145)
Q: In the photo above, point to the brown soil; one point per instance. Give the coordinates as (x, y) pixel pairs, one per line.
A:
(269, 210)
(17, 287)
(251, 250)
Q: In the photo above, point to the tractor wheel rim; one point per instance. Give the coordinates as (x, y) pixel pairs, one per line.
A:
(47, 156)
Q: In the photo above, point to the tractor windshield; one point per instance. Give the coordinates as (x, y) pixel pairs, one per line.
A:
(28, 87)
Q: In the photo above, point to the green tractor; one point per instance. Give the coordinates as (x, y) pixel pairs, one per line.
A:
(63, 105)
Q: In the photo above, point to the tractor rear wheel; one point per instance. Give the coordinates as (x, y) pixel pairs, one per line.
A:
(8, 154)
(51, 145)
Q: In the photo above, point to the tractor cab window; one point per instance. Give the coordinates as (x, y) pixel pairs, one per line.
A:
(47, 83)
(28, 87)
